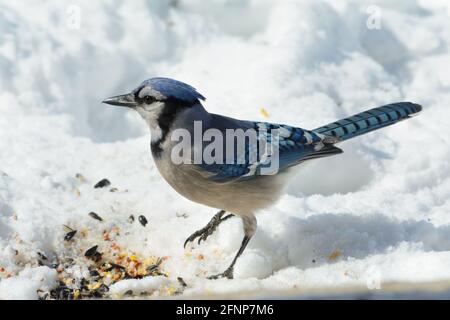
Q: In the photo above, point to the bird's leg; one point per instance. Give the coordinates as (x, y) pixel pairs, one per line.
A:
(250, 225)
(205, 232)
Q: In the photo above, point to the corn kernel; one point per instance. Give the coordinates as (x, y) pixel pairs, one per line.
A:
(264, 112)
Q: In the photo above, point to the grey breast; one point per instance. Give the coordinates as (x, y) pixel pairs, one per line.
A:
(239, 196)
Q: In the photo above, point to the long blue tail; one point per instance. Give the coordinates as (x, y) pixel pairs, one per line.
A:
(369, 120)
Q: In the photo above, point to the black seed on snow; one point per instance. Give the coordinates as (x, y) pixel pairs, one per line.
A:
(42, 256)
(131, 218)
(143, 220)
(70, 235)
(91, 251)
(151, 268)
(94, 273)
(102, 183)
(154, 267)
(128, 293)
(113, 190)
(95, 216)
(117, 266)
(103, 289)
(97, 257)
(182, 282)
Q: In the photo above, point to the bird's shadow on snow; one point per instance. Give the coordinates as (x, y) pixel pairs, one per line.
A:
(347, 172)
(327, 238)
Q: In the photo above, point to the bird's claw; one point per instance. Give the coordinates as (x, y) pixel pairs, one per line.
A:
(209, 229)
(203, 233)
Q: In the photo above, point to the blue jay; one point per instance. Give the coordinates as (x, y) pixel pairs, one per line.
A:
(238, 187)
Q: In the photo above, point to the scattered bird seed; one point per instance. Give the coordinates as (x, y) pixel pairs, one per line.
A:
(67, 228)
(68, 261)
(182, 215)
(94, 273)
(95, 216)
(101, 274)
(113, 190)
(154, 267)
(128, 293)
(80, 177)
(131, 219)
(143, 220)
(42, 256)
(69, 235)
(117, 266)
(97, 257)
(182, 282)
(102, 289)
(62, 292)
(91, 251)
(102, 184)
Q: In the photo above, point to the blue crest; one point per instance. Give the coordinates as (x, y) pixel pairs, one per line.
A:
(174, 89)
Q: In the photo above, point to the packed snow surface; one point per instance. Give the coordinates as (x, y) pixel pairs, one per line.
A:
(379, 212)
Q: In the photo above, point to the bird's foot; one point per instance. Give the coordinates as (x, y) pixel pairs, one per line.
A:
(209, 229)
(226, 274)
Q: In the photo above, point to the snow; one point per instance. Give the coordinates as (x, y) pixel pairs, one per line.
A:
(377, 213)
(147, 284)
(27, 282)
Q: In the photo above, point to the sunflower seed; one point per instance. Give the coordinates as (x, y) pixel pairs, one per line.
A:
(70, 235)
(91, 251)
(95, 216)
(102, 183)
(143, 220)
(182, 282)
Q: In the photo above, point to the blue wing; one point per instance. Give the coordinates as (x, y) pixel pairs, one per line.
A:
(295, 145)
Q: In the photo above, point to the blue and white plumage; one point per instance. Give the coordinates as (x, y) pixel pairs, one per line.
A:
(238, 186)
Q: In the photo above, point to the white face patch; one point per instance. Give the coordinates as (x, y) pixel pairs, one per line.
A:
(149, 91)
(150, 114)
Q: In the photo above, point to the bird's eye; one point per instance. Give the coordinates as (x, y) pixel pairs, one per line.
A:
(148, 99)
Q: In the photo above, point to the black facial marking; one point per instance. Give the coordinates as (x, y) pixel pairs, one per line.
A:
(172, 107)
(136, 93)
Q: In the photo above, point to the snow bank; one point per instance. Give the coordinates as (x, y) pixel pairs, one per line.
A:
(377, 212)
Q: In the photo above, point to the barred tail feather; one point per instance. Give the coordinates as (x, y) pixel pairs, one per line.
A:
(369, 120)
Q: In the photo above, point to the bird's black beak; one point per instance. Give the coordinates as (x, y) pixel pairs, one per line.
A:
(125, 100)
